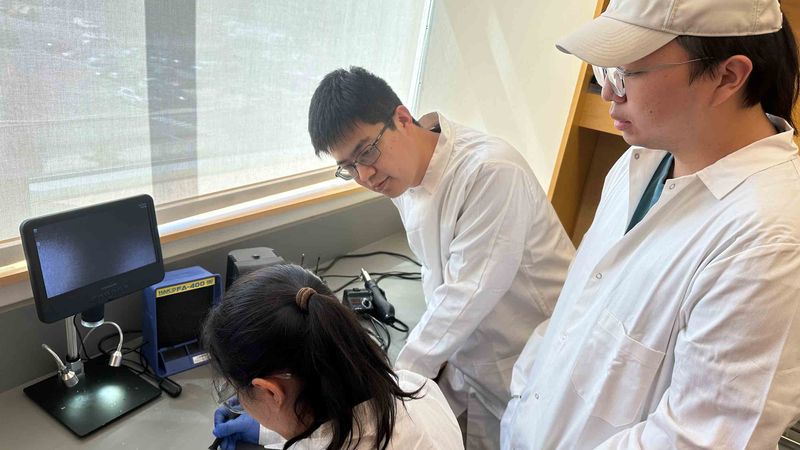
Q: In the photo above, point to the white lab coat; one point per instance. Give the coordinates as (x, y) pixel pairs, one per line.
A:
(494, 257)
(425, 423)
(684, 332)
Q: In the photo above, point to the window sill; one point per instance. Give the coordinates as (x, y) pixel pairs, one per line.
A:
(191, 234)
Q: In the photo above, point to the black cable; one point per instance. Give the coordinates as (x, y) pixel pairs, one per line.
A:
(143, 361)
(144, 368)
(105, 338)
(173, 390)
(403, 275)
(140, 368)
(377, 324)
(388, 336)
(377, 336)
(373, 334)
(352, 281)
(125, 350)
(403, 328)
(400, 275)
(411, 276)
(166, 384)
(364, 255)
(80, 337)
(320, 271)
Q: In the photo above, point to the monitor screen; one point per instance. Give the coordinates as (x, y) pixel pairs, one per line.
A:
(82, 258)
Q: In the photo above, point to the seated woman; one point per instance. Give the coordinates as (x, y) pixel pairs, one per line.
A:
(301, 365)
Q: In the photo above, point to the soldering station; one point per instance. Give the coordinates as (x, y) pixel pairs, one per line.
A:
(83, 258)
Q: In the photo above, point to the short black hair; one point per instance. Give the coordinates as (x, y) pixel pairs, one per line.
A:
(775, 78)
(345, 98)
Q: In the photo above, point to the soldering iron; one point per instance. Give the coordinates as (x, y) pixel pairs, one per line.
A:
(382, 309)
(370, 300)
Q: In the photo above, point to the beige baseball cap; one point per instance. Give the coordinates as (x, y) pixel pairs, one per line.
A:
(629, 30)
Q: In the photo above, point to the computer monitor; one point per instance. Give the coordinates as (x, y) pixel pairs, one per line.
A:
(80, 259)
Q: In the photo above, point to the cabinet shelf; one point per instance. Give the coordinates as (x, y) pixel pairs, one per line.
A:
(594, 114)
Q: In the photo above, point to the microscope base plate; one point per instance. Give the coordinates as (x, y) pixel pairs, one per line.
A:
(102, 395)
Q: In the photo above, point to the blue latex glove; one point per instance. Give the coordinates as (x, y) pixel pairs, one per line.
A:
(232, 429)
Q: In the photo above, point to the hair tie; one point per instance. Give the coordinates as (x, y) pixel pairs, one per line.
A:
(302, 297)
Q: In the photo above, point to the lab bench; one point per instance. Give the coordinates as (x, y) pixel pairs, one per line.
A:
(185, 422)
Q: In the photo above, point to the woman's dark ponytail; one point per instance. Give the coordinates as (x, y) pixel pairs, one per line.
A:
(283, 318)
(351, 369)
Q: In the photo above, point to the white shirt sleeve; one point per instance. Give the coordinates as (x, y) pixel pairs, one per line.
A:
(484, 257)
(737, 361)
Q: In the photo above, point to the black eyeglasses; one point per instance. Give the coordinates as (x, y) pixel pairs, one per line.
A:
(365, 157)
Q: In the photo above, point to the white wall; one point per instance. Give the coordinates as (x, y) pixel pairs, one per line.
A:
(493, 65)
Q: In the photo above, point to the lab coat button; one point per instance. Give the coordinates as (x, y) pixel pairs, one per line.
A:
(635, 156)
(672, 186)
(536, 396)
(598, 275)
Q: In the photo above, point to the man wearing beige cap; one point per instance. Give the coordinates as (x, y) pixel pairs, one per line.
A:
(679, 323)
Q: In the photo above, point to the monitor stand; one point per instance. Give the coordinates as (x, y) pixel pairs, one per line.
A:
(102, 395)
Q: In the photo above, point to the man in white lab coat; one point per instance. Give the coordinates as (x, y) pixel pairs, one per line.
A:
(494, 255)
(679, 323)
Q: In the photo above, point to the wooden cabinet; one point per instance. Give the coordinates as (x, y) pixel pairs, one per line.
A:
(591, 145)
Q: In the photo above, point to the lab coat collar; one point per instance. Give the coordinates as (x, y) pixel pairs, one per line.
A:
(725, 175)
(441, 153)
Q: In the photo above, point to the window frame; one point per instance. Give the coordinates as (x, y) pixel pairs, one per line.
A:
(13, 267)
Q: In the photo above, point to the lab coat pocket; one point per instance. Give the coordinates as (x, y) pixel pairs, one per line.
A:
(614, 373)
